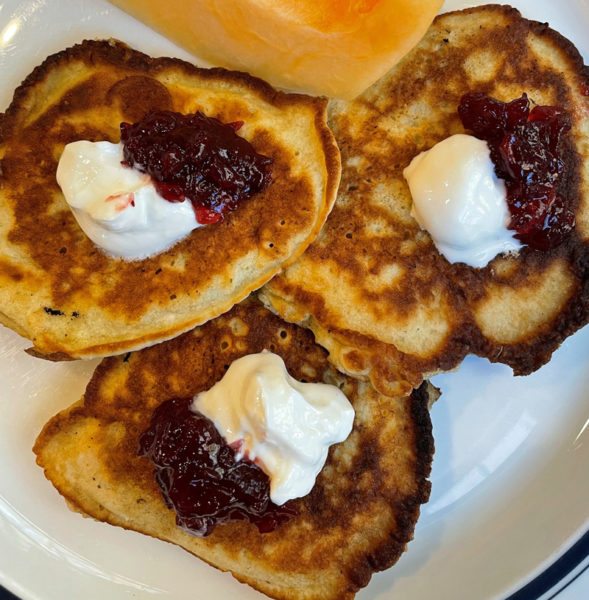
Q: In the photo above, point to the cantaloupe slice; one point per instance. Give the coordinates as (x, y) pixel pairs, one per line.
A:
(324, 47)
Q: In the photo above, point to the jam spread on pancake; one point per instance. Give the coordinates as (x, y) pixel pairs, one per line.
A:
(526, 149)
(200, 478)
(196, 157)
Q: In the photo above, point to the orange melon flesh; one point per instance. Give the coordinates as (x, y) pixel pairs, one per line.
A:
(334, 48)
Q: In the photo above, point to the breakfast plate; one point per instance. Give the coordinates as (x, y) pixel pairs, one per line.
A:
(509, 496)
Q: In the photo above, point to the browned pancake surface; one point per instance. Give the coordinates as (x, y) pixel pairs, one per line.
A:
(71, 298)
(356, 520)
(373, 287)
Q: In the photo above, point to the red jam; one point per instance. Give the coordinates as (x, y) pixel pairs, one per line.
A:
(196, 157)
(526, 149)
(199, 477)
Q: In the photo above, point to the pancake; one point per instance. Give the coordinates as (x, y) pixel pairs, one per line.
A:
(358, 517)
(372, 287)
(72, 299)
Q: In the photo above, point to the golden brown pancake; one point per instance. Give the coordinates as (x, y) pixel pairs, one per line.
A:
(357, 519)
(72, 299)
(372, 287)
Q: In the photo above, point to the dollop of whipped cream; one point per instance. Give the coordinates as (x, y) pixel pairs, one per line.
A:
(118, 207)
(460, 201)
(283, 425)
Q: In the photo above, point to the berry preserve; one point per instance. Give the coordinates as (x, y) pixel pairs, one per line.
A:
(199, 477)
(196, 157)
(527, 151)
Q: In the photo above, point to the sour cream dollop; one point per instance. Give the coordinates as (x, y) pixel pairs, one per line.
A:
(460, 201)
(285, 426)
(118, 207)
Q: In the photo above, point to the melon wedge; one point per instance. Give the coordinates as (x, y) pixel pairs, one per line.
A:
(334, 48)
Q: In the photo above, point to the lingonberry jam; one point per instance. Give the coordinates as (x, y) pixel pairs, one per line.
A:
(196, 157)
(527, 150)
(199, 477)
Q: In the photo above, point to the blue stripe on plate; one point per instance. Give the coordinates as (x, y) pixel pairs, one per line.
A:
(6, 595)
(560, 574)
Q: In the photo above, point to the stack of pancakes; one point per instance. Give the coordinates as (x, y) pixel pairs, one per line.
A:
(371, 288)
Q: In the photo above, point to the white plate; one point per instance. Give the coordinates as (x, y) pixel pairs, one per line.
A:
(510, 486)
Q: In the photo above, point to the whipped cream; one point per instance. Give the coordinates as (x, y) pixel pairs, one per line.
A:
(460, 201)
(283, 425)
(118, 207)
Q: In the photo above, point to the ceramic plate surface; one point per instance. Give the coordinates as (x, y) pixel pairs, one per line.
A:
(510, 486)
